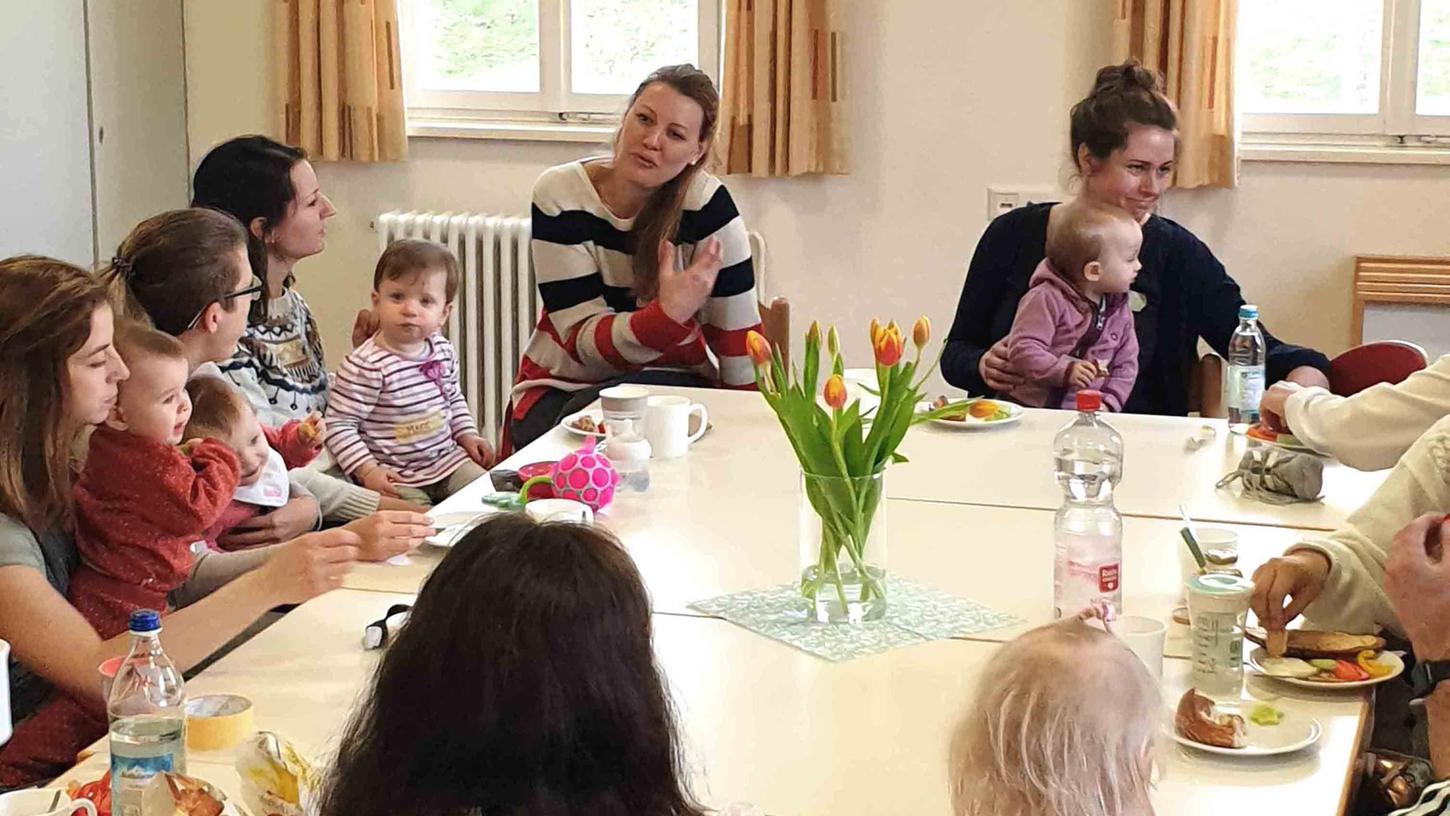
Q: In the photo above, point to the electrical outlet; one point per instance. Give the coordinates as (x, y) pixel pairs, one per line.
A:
(1006, 199)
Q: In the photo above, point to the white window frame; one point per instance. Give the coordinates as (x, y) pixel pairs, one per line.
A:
(554, 112)
(1387, 136)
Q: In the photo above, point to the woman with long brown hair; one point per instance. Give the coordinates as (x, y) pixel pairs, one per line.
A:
(642, 260)
(523, 683)
(58, 375)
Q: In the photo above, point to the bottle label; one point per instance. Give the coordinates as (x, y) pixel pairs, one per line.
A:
(1245, 387)
(1108, 577)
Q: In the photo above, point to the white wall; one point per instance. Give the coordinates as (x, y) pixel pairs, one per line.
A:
(45, 165)
(948, 97)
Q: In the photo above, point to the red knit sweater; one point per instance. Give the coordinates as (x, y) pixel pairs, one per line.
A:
(139, 506)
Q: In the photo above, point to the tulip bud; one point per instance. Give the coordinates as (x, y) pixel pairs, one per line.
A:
(813, 334)
(758, 348)
(833, 342)
(835, 392)
(921, 332)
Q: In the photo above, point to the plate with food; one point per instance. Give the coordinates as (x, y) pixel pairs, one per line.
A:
(1265, 435)
(1248, 728)
(589, 422)
(1314, 659)
(978, 413)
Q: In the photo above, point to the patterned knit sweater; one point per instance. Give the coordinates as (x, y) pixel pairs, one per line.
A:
(593, 328)
(279, 364)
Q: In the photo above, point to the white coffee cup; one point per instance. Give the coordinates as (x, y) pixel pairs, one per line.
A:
(1145, 637)
(4, 692)
(667, 425)
(560, 510)
(36, 802)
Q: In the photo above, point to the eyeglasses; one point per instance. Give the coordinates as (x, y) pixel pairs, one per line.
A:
(252, 288)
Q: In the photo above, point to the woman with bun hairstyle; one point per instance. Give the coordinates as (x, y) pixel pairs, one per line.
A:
(1124, 141)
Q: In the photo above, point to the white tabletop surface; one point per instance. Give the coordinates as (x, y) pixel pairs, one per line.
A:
(771, 725)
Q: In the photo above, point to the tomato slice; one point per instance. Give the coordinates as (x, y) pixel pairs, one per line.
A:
(1349, 672)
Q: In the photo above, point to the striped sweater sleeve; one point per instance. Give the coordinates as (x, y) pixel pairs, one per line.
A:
(732, 310)
(460, 417)
(572, 289)
(354, 395)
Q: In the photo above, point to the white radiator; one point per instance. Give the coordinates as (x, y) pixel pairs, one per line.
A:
(497, 305)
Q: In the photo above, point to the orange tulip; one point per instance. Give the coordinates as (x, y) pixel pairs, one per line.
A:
(875, 330)
(758, 348)
(921, 332)
(835, 392)
(889, 346)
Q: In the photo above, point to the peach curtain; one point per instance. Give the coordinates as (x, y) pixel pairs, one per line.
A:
(783, 104)
(1191, 42)
(339, 81)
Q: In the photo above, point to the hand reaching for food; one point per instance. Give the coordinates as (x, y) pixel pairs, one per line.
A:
(1081, 373)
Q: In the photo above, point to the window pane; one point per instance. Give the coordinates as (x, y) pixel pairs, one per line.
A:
(1310, 56)
(1433, 86)
(616, 43)
(477, 45)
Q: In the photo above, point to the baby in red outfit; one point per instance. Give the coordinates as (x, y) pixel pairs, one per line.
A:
(265, 455)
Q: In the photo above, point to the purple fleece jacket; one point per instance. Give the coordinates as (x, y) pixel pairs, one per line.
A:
(1051, 319)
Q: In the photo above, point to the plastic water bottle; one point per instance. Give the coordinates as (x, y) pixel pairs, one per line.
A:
(1245, 385)
(1087, 529)
(147, 710)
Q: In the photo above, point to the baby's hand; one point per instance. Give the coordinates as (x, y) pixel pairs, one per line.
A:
(1081, 374)
(312, 429)
(188, 447)
(380, 480)
(478, 450)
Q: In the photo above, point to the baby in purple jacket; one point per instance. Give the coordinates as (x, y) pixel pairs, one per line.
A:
(1074, 329)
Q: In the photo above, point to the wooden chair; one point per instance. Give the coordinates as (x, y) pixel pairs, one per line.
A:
(1205, 387)
(775, 320)
(1388, 361)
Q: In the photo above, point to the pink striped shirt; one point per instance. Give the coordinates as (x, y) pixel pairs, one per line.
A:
(400, 413)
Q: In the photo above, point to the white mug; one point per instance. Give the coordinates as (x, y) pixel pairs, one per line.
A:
(560, 510)
(36, 802)
(4, 692)
(667, 425)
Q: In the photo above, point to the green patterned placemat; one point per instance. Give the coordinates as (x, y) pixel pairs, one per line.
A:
(914, 614)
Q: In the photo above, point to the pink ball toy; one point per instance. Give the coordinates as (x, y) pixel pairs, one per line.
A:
(586, 476)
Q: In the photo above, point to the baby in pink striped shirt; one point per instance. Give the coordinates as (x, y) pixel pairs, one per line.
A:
(396, 418)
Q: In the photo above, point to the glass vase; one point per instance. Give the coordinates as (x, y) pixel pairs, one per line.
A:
(843, 548)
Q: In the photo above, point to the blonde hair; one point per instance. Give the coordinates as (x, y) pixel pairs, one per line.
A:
(1075, 237)
(1064, 723)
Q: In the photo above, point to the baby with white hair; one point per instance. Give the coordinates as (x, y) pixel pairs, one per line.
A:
(1064, 723)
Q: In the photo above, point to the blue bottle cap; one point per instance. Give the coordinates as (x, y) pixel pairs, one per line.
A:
(145, 620)
(1248, 310)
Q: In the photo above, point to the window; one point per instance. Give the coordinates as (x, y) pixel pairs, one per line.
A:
(546, 60)
(1348, 71)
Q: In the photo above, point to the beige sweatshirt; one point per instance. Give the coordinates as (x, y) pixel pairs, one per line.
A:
(1371, 429)
(1354, 598)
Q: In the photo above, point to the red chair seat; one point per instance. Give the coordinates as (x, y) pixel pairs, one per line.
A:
(1388, 361)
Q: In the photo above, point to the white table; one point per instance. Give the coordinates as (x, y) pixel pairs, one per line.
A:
(745, 453)
(767, 724)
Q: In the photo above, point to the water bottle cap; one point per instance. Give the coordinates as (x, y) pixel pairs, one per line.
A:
(145, 620)
(1089, 400)
(1248, 310)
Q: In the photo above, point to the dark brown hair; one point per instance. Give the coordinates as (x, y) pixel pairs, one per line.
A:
(250, 177)
(523, 684)
(1122, 96)
(45, 317)
(216, 407)
(173, 265)
(407, 256)
(1075, 236)
(659, 219)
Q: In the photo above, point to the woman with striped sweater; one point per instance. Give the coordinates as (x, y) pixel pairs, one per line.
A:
(642, 261)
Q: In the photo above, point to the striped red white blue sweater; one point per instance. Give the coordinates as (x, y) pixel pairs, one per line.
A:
(593, 328)
(405, 414)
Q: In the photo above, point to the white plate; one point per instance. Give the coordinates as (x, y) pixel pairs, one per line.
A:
(974, 424)
(452, 526)
(1397, 667)
(1295, 732)
(1296, 448)
(594, 414)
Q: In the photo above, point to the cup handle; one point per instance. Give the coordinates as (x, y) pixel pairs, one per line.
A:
(704, 421)
(83, 804)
